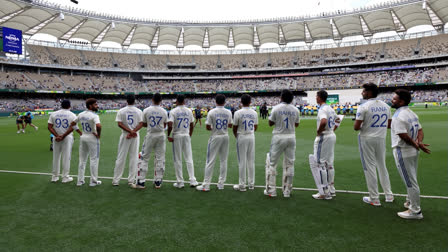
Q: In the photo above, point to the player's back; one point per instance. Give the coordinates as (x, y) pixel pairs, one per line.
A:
(284, 116)
(181, 117)
(130, 116)
(404, 121)
(326, 112)
(88, 120)
(219, 118)
(245, 119)
(156, 117)
(375, 115)
(61, 120)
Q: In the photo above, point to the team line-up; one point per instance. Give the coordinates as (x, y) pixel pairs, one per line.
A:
(373, 118)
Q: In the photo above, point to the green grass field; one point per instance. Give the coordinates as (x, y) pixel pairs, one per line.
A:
(38, 215)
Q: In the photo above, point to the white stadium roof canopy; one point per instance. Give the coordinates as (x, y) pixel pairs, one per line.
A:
(37, 16)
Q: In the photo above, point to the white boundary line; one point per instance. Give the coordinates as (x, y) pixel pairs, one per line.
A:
(258, 186)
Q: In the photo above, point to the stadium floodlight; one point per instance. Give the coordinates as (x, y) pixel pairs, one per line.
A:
(61, 16)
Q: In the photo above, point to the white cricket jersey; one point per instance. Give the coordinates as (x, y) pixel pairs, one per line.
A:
(245, 119)
(326, 112)
(88, 120)
(181, 117)
(130, 116)
(375, 115)
(284, 116)
(156, 117)
(61, 120)
(219, 118)
(404, 121)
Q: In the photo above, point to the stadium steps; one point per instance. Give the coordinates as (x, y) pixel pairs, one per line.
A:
(35, 84)
(68, 87)
(84, 59)
(114, 62)
(51, 55)
(140, 61)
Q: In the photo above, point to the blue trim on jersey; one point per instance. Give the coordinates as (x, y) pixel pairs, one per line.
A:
(319, 148)
(398, 111)
(321, 180)
(361, 152)
(97, 148)
(208, 152)
(237, 150)
(403, 168)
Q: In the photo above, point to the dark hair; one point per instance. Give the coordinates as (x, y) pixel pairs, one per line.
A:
(245, 99)
(220, 99)
(180, 98)
(130, 98)
(287, 96)
(371, 87)
(157, 98)
(65, 104)
(323, 95)
(404, 95)
(90, 102)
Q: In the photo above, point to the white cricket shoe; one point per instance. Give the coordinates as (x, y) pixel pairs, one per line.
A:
(407, 204)
(318, 196)
(80, 183)
(95, 183)
(270, 194)
(203, 188)
(286, 194)
(114, 183)
(371, 202)
(251, 187)
(389, 198)
(67, 180)
(220, 186)
(23, 131)
(18, 132)
(332, 191)
(178, 185)
(54, 179)
(36, 128)
(138, 185)
(408, 214)
(193, 183)
(238, 188)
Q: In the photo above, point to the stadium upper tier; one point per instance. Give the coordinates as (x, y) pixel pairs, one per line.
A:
(117, 84)
(64, 23)
(398, 50)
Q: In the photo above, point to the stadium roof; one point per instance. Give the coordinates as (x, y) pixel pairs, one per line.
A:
(66, 23)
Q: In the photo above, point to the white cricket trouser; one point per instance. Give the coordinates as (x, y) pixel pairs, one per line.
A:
(324, 158)
(89, 145)
(125, 147)
(406, 160)
(281, 144)
(182, 144)
(217, 146)
(156, 143)
(62, 149)
(245, 148)
(373, 157)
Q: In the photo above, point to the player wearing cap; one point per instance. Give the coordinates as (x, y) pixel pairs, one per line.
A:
(372, 120)
(181, 124)
(59, 124)
(128, 120)
(321, 162)
(154, 118)
(245, 123)
(285, 118)
(90, 142)
(407, 140)
(218, 121)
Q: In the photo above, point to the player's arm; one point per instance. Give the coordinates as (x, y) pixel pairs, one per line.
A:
(124, 127)
(170, 128)
(235, 130)
(255, 127)
(389, 123)
(208, 127)
(420, 143)
(98, 130)
(52, 131)
(407, 139)
(357, 125)
(323, 123)
(192, 128)
(271, 123)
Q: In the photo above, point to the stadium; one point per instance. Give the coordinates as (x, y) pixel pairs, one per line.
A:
(52, 52)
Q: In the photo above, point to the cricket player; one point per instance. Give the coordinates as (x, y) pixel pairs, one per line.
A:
(245, 123)
(154, 118)
(198, 116)
(285, 117)
(90, 142)
(407, 140)
(180, 123)
(19, 121)
(372, 120)
(321, 162)
(29, 120)
(218, 121)
(128, 120)
(59, 124)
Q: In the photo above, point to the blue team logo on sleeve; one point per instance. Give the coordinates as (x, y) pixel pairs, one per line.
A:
(358, 114)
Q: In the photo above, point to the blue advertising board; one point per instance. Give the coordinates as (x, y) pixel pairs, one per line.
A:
(12, 40)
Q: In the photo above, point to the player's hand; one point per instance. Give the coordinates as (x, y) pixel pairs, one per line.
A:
(424, 148)
(170, 139)
(97, 136)
(58, 138)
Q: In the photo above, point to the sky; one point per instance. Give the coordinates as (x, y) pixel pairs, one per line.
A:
(214, 10)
